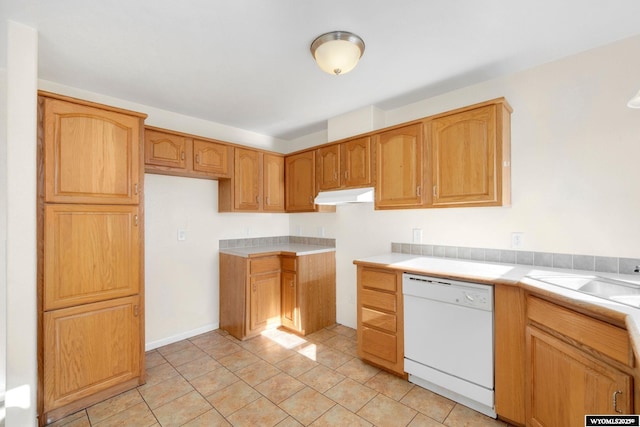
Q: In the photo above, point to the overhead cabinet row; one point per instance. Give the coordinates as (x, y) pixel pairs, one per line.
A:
(458, 158)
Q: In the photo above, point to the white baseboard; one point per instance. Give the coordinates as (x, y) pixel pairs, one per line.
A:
(182, 336)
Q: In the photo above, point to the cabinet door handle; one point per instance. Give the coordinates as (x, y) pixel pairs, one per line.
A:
(335, 176)
(435, 191)
(135, 188)
(182, 155)
(615, 401)
(135, 219)
(346, 174)
(198, 158)
(254, 287)
(266, 200)
(291, 283)
(136, 311)
(311, 199)
(418, 191)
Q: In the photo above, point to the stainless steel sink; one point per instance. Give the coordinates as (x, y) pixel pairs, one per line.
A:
(614, 290)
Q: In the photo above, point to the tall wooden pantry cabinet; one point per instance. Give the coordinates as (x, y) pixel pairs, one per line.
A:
(90, 254)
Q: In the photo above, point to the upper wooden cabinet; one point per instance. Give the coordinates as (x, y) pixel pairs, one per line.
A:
(257, 184)
(399, 167)
(344, 165)
(300, 183)
(469, 157)
(173, 153)
(91, 155)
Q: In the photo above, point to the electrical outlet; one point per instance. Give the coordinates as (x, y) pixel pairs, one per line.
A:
(517, 240)
(320, 231)
(417, 235)
(182, 235)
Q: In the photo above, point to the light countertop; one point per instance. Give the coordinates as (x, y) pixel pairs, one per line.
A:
(297, 249)
(519, 275)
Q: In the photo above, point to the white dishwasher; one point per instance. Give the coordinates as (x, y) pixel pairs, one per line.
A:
(448, 339)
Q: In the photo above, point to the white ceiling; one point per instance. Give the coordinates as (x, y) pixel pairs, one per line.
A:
(246, 63)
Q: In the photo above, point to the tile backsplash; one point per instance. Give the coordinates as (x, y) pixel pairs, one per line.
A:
(275, 240)
(539, 259)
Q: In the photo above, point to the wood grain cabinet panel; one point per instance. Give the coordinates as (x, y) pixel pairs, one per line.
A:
(273, 183)
(90, 155)
(91, 253)
(165, 149)
(300, 183)
(344, 165)
(328, 167)
(90, 348)
(247, 180)
(211, 157)
(399, 167)
(470, 157)
(264, 302)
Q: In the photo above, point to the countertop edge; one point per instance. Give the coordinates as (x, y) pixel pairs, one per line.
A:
(298, 250)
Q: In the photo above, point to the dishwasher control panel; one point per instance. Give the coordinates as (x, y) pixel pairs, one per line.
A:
(472, 295)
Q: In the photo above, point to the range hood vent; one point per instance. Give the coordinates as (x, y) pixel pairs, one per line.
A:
(340, 197)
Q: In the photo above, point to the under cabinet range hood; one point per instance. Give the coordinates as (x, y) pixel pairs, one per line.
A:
(340, 197)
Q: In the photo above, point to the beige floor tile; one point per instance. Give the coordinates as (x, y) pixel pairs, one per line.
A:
(390, 385)
(284, 338)
(214, 381)
(384, 411)
(110, 407)
(321, 335)
(332, 358)
(166, 391)
(210, 418)
(310, 349)
(182, 410)
(153, 358)
(208, 340)
(160, 373)
(340, 342)
(340, 417)
(307, 405)
(345, 331)
(321, 378)
(289, 422)
(276, 353)
(357, 370)
(260, 413)
(296, 365)
(173, 347)
(257, 344)
(198, 367)
(230, 399)
(181, 357)
(139, 415)
(78, 419)
(421, 420)
(351, 394)
(429, 403)
(461, 416)
(279, 387)
(238, 360)
(257, 372)
(223, 349)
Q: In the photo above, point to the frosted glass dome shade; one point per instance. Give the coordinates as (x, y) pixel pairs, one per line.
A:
(337, 52)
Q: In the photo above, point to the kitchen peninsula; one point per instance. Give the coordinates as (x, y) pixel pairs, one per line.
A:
(284, 281)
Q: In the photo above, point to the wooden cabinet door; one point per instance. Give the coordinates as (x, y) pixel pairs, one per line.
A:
(356, 162)
(328, 167)
(290, 308)
(399, 167)
(264, 301)
(90, 155)
(211, 158)
(91, 253)
(247, 185)
(90, 348)
(165, 149)
(463, 155)
(273, 183)
(300, 182)
(565, 383)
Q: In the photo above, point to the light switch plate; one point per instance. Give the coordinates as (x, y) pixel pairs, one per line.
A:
(417, 235)
(516, 240)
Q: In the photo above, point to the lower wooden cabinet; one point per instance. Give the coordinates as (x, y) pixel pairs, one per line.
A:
(380, 318)
(263, 292)
(88, 349)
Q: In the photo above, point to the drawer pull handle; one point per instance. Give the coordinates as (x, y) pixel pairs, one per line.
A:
(182, 155)
(615, 401)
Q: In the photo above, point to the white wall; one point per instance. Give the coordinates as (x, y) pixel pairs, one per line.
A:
(182, 276)
(575, 171)
(21, 110)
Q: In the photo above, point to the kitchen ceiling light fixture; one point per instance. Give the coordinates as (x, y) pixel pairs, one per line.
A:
(337, 52)
(635, 101)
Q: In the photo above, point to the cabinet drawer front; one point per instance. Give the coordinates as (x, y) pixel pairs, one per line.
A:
(289, 264)
(265, 265)
(384, 280)
(380, 300)
(379, 319)
(603, 337)
(379, 344)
